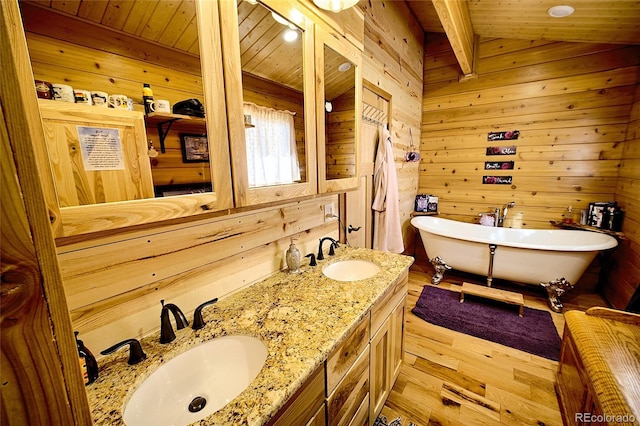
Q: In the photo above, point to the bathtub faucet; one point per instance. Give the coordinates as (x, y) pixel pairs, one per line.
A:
(501, 217)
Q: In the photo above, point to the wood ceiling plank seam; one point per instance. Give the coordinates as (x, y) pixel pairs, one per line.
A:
(185, 14)
(138, 18)
(116, 13)
(92, 10)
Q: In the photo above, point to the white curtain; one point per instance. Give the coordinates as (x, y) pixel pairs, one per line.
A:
(271, 146)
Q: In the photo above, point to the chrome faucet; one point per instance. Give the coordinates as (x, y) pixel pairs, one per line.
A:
(334, 245)
(166, 331)
(501, 217)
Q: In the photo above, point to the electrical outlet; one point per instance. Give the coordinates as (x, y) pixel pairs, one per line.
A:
(329, 212)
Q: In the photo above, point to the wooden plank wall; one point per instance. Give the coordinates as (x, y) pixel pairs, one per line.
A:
(120, 65)
(625, 273)
(571, 104)
(114, 284)
(392, 61)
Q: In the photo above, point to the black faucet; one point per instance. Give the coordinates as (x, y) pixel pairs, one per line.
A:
(166, 331)
(312, 262)
(136, 354)
(198, 322)
(334, 245)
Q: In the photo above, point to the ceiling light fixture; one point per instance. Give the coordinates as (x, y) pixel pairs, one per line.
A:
(560, 11)
(346, 66)
(335, 5)
(290, 35)
(328, 106)
(279, 19)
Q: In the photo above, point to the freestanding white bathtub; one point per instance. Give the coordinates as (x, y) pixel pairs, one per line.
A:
(531, 256)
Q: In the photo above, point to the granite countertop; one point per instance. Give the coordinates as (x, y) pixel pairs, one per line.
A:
(301, 318)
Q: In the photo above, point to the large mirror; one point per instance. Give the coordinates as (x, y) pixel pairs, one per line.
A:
(339, 113)
(108, 50)
(339, 116)
(271, 101)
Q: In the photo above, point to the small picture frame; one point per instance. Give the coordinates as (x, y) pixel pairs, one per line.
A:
(195, 148)
(596, 211)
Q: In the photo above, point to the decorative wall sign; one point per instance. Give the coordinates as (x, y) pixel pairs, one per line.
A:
(501, 150)
(503, 136)
(497, 180)
(499, 165)
(101, 148)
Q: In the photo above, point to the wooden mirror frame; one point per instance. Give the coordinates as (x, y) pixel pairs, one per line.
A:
(74, 221)
(244, 195)
(352, 54)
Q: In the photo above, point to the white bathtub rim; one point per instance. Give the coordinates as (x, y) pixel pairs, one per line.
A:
(597, 241)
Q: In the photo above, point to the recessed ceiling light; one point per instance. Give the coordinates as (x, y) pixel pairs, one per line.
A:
(560, 11)
(344, 67)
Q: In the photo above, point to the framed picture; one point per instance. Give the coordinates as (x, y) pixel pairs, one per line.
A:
(195, 148)
(596, 211)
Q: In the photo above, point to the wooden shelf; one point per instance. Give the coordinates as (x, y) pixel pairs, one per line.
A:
(424, 214)
(162, 119)
(564, 225)
(156, 117)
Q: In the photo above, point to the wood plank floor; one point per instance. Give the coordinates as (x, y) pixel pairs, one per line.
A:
(450, 378)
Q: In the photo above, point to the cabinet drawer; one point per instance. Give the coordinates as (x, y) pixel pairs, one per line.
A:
(346, 399)
(361, 417)
(383, 308)
(320, 418)
(345, 355)
(304, 404)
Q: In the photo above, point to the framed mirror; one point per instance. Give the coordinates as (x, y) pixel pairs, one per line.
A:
(97, 48)
(338, 111)
(268, 50)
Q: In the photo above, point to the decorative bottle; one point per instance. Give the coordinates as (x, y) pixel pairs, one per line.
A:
(293, 258)
(147, 98)
(88, 363)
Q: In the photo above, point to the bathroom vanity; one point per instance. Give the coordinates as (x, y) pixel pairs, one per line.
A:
(334, 347)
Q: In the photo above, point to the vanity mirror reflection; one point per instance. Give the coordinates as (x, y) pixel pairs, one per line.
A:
(99, 47)
(268, 51)
(338, 112)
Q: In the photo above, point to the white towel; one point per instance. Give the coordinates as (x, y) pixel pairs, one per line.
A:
(387, 230)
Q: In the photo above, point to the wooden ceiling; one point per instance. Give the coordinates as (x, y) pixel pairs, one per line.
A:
(594, 21)
(265, 54)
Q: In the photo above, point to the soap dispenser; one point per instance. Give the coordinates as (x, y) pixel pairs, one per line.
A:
(88, 363)
(293, 258)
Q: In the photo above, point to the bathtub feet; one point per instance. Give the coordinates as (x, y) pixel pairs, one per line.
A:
(441, 267)
(555, 289)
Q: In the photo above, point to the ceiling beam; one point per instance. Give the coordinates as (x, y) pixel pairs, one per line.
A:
(456, 20)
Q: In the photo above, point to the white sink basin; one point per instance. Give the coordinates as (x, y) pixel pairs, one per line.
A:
(217, 370)
(351, 270)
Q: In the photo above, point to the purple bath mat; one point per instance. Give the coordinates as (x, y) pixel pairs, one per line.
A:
(497, 322)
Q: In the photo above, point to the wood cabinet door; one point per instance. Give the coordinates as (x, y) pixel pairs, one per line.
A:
(397, 341)
(380, 368)
(338, 65)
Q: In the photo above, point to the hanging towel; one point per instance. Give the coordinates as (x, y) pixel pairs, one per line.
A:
(387, 230)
